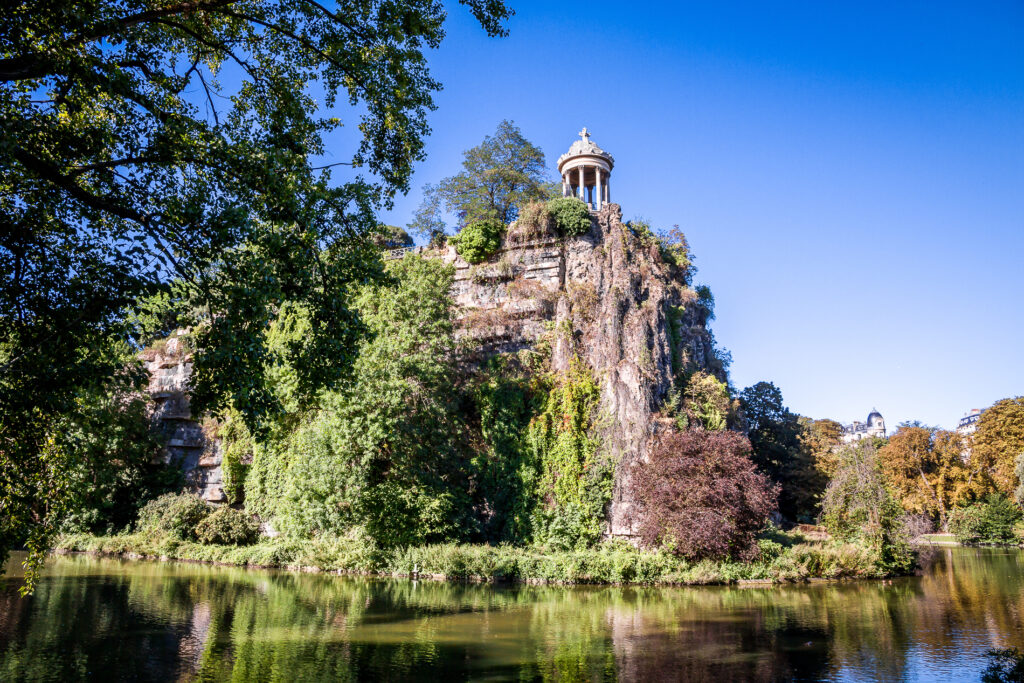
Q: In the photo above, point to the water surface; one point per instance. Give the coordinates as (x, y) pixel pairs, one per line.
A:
(105, 619)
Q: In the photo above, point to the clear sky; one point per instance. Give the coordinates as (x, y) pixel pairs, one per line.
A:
(850, 177)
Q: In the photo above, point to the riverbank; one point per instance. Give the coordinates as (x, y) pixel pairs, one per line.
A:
(786, 558)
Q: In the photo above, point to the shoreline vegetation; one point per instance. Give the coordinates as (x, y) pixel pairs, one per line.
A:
(787, 557)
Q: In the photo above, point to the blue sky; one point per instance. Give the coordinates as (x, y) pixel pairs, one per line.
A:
(850, 177)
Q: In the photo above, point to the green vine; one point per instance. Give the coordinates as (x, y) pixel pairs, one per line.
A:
(575, 483)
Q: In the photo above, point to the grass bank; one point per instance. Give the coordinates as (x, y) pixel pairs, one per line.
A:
(792, 559)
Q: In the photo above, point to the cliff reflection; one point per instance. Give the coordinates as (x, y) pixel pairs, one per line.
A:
(147, 621)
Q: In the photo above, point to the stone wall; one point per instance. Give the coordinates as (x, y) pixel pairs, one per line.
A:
(188, 443)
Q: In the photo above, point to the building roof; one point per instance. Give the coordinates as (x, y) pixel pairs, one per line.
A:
(584, 147)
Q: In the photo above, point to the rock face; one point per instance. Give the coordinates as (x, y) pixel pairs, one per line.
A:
(186, 442)
(608, 297)
(612, 300)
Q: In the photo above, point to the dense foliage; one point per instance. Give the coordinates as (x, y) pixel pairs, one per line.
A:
(479, 240)
(145, 143)
(380, 455)
(575, 476)
(999, 441)
(992, 521)
(570, 215)
(928, 473)
(701, 495)
(780, 450)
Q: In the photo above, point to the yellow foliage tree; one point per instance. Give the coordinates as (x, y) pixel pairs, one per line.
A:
(999, 441)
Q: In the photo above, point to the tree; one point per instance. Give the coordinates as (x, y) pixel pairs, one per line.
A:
(775, 436)
(381, 453)
(701, 494)
(925, 469)
(499, 176)
(999, 441)
(820, 438)
(147, 142)
(859, 505)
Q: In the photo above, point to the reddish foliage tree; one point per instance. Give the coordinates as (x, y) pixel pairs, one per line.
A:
(701, 491)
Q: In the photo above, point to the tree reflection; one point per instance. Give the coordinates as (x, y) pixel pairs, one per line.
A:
(153, 621)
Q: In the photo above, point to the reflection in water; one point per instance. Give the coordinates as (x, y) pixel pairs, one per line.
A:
(113, 620)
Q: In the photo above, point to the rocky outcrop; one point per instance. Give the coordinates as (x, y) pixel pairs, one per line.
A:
(608, 297)
(187, 442)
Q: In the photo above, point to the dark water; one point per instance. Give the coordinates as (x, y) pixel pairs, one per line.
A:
(113, 620)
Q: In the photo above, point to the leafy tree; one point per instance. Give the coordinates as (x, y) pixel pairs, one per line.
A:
(999, 441)
(498, 176)
(145, 142)
(701, 495)
(859, 505)
(820, 438)
(927, 473)
(505, 399)
(392, 237)
(380, 454)
(775, 436)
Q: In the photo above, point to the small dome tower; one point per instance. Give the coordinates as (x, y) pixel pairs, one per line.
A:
(876, 424)
(586, 170)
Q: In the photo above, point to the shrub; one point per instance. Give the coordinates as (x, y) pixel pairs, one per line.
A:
(701, 492)
(478, 241)
(534, 221)
(991, 521)
(570, 215)
(174, 514)
(227, 526)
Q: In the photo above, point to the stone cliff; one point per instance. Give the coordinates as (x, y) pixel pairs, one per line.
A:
(609, 297)
(187, 442)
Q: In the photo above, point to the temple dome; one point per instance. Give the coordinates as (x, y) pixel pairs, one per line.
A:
(585, 147)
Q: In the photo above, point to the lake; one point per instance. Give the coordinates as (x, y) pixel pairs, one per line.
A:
(106, 619)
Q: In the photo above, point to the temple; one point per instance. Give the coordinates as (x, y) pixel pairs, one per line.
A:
(586, 171)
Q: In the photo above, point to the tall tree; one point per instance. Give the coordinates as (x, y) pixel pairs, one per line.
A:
(150, 140)
(775, 436)
(999, 441)
(500, 175)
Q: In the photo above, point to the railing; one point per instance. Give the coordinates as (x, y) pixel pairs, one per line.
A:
(392, 254)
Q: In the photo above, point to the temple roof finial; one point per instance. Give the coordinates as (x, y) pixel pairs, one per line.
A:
(585, 134)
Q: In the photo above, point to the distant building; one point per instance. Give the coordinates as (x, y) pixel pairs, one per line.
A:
(873, 427)
(969, 422)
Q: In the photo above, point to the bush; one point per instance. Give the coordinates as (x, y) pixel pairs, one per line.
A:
(992, 522)
(701, 493)
(227, 526)
(570, 215)
(478, 241)
(174, 514)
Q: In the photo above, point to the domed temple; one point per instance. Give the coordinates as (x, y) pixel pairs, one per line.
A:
(586, 170)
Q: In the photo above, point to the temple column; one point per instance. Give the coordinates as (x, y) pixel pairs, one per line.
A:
(597, 188)
(565, 184)
(608, 189)
(583, 188)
